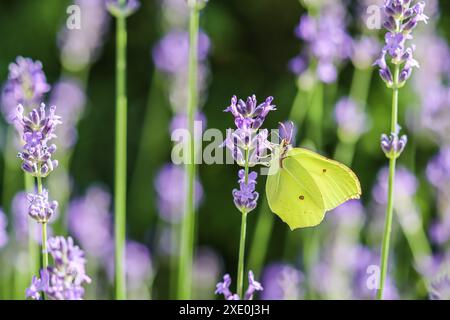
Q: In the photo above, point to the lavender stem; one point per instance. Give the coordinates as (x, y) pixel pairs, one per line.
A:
(188, 223)
(120, 157)
(240, 274)
(391, 187)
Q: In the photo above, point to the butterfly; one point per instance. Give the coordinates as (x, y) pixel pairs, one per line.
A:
(303, 185)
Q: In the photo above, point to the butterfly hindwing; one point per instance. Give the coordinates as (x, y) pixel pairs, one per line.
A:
(337, 183)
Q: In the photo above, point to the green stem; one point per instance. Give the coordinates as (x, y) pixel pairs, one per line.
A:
(188, 223)
(120, 158)
(44, 230)
(391, 188)
(240, 271)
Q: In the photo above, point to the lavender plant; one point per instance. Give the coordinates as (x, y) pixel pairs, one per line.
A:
(121, 9)
(37, 130)
(64, 279)
(248, 146)
(402, 18)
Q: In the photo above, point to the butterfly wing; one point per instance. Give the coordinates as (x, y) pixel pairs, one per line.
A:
(337, 183)
(294, 196)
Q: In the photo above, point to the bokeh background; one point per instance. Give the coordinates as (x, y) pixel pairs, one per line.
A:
(251, 44)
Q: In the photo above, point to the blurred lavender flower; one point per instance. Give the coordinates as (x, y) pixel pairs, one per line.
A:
(224, 288)
(3, 231)
(138, 269)
(37, 129)
(350, 213)
(327, 41)
(90, 222)
(344, 273)
(26, 85)
(364, 51)
(80, 47)
(282, 282)
(40, 208)
(206, 269)
(169, 187)
(401, 19)
(246, 197)
(65, 279)
(440, 288)
(70, 98)
(170, 56)
(171, 53)
(405, 186)
(438, 169)
(438, 173)
(138, 264)
(351, 120)
(180, 121)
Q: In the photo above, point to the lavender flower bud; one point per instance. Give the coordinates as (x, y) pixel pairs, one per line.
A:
(392, 145)
(40, 208)
(246, 197)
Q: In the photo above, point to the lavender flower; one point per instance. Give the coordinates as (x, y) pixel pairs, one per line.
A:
(327, 42)
(248, 118)
(351, 120)
(122, 10)
(90, 222)
(248, 114)
(170, 190)
(206, 269)
(37, 130)
(405, 187)
(364, 51)
(3, 232)
(246, 197)
(65, 279)
(40, 208)
(438, 169)
(26, 85)
(138, 265)
(393, 145)
(282, 282)
(81, 47)
(224, 288)
(401, 19)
